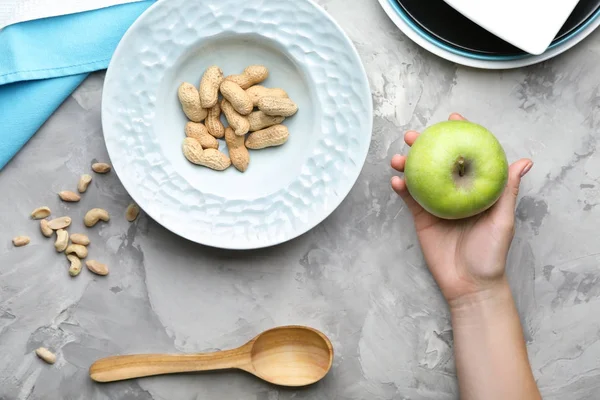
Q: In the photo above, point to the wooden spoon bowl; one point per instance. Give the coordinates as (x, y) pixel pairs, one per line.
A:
(291, 356)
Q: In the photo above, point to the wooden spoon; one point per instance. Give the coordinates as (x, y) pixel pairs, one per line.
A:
(286, 356)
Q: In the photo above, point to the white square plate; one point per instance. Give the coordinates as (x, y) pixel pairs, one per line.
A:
(530, 25)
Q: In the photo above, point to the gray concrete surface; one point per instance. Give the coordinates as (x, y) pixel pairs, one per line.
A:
(359, 276)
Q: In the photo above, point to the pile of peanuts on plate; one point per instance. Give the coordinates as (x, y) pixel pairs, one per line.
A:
(248, 129)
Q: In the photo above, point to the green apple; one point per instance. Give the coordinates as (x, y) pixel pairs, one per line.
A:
(456, 169)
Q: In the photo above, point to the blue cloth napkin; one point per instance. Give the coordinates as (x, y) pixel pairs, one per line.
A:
(43, 61)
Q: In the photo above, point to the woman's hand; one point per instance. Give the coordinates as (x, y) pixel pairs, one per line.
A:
(465, 256)
(467, 259)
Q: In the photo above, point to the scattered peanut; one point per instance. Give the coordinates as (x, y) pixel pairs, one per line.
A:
(237, 96)
(79, 250)
(209, 86)
(62, 240)
(69, 196)
(84, 182)
(75, 267)
(213, 121)
(94, 215)
(277, 106)
(190, 102)
(59, 223)
(240, 158)
(200, 133)
(46, 355)
(238, 122)
(45, 228)
(101, 168)
(80, 238)
(251, 76)
(259, 120)
(211, 158)
(41, 212)
(20, 241)
(257, 92)
(132, 212)
(97, 267)
(273, 136)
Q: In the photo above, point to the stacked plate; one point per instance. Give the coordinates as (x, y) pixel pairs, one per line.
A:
(442, 30)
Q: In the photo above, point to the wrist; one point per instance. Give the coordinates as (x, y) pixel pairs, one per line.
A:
(490, 351)
(483, 305)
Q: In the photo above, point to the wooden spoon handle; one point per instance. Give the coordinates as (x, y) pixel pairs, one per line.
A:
(118, 368)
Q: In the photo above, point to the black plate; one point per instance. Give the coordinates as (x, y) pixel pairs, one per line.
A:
(448, 25)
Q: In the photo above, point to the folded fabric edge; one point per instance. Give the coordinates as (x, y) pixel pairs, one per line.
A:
(51, 73)
(66, 7)
(23, 118)
(79, 54)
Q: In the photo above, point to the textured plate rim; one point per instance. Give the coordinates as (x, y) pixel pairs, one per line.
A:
(361, 157)
(429, 44)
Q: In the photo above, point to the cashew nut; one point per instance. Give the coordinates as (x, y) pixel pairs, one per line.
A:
(84, 182)
(68, 196)
(132, 212)
(101, 168)
(79, 250)
(94, 215)
(46, 355)
(45, 228)
(75, 267)
(59, 223)
(97, 267)
(40, 212)
(62, 240)
(80, 238)
(20, 241)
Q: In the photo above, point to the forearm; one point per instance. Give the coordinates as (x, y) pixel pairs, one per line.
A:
(491, 357)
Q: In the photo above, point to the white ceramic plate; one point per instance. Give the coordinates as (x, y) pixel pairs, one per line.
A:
(286, 190)
(530, 25)
(429, 44)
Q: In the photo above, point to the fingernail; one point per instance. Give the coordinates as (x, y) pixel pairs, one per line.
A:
(526, 169)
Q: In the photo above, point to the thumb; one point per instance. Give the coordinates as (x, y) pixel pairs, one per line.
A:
(508, 201)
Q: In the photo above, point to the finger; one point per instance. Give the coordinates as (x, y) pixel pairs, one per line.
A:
(398, 162)
(505, 208)
(399, 186)
(456, 117)
(410, 137)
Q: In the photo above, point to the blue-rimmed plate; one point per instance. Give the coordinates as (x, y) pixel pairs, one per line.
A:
(429, 42)
(446, 24)
(286, 190)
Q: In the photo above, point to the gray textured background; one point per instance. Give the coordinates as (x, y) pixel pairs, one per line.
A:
(359, 276)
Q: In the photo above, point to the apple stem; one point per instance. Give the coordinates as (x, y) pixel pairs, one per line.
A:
(461, 166)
